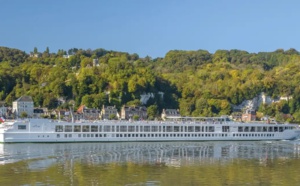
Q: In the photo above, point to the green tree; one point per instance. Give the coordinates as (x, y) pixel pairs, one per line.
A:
(135, 117)
(24, 115)
(112, 117)
(152, 112)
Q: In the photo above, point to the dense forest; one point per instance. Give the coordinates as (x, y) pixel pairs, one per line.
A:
(198, 83)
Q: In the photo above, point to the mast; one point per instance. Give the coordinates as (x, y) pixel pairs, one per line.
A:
(71, 112)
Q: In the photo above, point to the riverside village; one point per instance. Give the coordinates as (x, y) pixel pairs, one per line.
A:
(23, 107)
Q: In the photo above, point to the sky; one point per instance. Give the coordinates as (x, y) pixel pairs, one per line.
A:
(150, 27)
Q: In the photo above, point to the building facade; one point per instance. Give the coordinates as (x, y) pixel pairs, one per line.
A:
(170, 113)
(108, 111)
(129, 112)
(249, 115)
(86, 113)
(23, 105)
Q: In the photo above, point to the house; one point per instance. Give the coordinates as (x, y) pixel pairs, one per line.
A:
(249, 115)
(236, 116)
(23, 105)
(95, 62)
(170, 113)
(107, 111)
(61, 114)
(129, 112)
(38, 112)
(86, 113)
(36, 55)
(42, 112)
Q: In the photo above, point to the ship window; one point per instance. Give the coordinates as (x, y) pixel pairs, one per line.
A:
(123, 129)
(92, 135)
(270, 129)
(107, 128)
(79, 135)
(77, 128)
(112, 128)
(169, 129)
(225, 128)
(280, 129)
(154, 128)
(100, 128)
(68, 128)
(130, 128)
(252, 129)
(146, 128)
(190, 129)
(58, 128)
(197, 129)
(176, 128)
(21, 127)
(85, 128)
(66, 135)
(259, 129)
(240, 129)
(264, 129)
(88, 135)
(58, 135)
(246, 129)
(211, 129)
(94, 128)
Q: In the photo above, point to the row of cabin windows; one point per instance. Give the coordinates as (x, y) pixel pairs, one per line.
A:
(253, 135)
(117, 128)
(166, 135)
(143, 135)
(263, 129)
(82, 135)
(171, 135)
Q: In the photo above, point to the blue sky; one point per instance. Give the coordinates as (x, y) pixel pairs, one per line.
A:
(150, 27)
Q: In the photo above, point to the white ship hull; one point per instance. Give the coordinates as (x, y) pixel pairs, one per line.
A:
(37, 130)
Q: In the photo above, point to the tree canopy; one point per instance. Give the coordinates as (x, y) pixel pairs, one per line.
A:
(198, 83)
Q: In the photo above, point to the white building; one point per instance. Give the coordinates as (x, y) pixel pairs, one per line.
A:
(23, 104)
(3, 109)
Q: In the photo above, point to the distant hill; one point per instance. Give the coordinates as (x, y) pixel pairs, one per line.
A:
(199, 83)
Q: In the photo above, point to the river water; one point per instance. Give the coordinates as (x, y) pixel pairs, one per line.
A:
(151, 164)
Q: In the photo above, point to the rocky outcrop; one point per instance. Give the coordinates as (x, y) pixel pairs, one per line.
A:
(257, 101)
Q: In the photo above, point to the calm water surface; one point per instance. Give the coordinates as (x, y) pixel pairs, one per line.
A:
(151, 164)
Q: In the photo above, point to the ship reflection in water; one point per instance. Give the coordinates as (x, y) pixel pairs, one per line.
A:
(175, 154)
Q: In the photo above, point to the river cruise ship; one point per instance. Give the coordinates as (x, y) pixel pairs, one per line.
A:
(177, 129)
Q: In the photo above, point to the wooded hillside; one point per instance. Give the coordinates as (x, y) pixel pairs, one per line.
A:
(197, 82)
